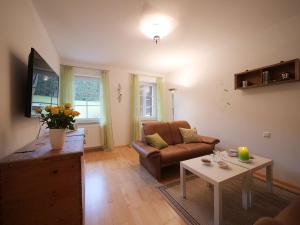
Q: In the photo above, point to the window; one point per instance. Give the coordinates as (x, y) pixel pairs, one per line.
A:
(87, 98)
(148, 100)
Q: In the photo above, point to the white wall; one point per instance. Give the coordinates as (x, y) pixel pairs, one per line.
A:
(120, 111)
(21, 29)
(207, 99)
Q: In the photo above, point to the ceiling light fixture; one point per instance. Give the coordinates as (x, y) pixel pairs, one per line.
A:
(157, 27)
(156, 39)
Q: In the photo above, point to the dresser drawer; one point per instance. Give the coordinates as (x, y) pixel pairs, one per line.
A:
(49, 191)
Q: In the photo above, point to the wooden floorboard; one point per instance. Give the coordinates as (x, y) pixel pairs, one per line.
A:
(118, 191)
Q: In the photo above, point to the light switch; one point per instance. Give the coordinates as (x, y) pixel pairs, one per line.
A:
(266, 134)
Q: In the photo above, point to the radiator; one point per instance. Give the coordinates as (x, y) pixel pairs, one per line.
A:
(92, 135)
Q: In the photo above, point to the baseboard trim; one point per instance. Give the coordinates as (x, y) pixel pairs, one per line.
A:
(101, 148)
(279, 183)
(94, 149)
(122, 146)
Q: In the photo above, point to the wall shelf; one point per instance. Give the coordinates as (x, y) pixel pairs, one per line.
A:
(255, 77)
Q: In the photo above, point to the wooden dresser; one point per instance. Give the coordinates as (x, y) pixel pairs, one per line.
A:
(40, 186)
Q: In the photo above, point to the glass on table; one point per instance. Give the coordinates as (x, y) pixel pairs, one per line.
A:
(216, 156)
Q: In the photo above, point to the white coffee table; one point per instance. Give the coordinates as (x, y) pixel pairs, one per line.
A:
(258, 162)
(217, 177)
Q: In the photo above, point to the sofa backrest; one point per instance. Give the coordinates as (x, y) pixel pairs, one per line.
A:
(162, 128)
(169, 131)
(176, 135)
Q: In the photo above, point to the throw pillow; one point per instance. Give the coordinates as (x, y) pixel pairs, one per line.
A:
(190, 135)
(156, 141)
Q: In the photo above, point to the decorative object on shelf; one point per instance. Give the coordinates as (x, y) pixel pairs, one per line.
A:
(172, 90)
(279, 73)
(58, 119)
(285, 76)
(243, 153)
(120, 94)
(245, 83)
(266, 76)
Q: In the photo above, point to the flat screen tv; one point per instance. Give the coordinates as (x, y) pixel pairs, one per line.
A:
(42, 84)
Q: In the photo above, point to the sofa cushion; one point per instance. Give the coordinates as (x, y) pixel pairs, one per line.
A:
(176, 135)
(162, 128)
(176, 153)
(156, 141)
(173, 154)
(190, 135)
(197, 149)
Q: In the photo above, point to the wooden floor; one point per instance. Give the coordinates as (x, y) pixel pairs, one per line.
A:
(119, 191)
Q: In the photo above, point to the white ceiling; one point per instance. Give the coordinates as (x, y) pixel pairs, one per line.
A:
(107, 32)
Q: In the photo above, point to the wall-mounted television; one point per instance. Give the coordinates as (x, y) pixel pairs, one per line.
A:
(42, 84)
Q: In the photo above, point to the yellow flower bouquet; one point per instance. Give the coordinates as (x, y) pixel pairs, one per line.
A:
(58, 117)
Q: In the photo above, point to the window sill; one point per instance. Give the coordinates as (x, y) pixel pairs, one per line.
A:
(149, 120)
(88, 121)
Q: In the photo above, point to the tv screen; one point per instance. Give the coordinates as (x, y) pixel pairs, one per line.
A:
(42, 84)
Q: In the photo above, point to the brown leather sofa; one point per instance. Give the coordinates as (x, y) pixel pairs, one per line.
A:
(288, 216)
(154, 160)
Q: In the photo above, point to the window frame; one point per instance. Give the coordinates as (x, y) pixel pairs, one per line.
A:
(88, 120)
(154, 101)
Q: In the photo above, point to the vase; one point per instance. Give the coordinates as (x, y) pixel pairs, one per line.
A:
(57, 138)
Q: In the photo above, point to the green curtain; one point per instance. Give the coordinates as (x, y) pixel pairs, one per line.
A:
(160, 99)
(66, 84)
(135, 108)
(106, 124)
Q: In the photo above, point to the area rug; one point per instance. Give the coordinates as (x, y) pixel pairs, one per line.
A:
(197, 208)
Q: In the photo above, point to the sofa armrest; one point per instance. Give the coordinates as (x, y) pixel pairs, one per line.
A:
(209, 140)
(267, 221)
(144, 149)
